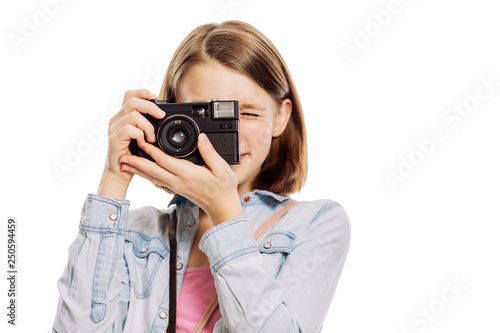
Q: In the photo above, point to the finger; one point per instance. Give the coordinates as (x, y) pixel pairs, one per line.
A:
(211, 157)
(130, 169)
(139, 105)
(138, 120)
(174, 165)
(128, 132)
(149, 167)
(138, 93)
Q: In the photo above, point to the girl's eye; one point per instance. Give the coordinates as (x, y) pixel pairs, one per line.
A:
(250, 115)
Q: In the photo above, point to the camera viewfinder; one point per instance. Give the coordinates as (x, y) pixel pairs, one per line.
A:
(200, 111)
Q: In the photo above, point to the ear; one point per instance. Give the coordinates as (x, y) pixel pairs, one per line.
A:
(282, 117)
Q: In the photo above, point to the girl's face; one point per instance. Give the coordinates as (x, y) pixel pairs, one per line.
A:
(261, 117)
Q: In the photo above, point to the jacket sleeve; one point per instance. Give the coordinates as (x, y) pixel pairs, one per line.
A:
(298, 298)
(92, 297)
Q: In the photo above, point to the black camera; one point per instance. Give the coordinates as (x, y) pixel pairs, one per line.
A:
(177, 133)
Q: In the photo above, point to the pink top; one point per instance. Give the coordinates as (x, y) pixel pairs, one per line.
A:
(197, 291)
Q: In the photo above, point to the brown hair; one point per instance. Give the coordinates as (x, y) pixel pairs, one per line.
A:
(242, 47)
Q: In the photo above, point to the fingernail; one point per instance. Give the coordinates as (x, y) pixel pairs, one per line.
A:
(124, 168)
(124, 160)
(202, 138)
(161, 113)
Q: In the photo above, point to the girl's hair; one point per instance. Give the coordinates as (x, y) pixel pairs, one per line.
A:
(242, 47)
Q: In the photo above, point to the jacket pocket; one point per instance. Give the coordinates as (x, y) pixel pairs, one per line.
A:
(143, 256)
(274, 249)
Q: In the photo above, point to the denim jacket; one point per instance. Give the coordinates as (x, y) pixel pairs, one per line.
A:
(117, 275)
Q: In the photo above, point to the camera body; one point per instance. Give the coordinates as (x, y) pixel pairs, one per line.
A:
(177, 133)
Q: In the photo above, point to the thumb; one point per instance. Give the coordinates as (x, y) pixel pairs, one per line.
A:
(209, 154)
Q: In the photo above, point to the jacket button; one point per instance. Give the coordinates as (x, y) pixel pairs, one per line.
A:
(163, 315)
(144, 250)
(113, 216)
(246, 199)
(179, 266)
(268, 245)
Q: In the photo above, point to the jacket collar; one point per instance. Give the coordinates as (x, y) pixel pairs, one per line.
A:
(263, 194)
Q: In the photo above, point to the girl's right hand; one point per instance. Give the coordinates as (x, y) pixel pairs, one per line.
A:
(127, 124)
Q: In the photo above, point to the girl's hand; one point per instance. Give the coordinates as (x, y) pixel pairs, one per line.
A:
(127, 124)
(212, 188)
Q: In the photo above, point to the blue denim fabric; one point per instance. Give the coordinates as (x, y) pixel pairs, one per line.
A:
(117, 275)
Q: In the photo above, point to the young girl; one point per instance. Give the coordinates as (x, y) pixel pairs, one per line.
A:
(117, 276)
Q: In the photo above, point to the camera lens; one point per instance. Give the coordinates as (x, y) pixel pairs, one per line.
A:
(178, 135)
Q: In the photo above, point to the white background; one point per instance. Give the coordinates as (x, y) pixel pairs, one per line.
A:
(438, 227)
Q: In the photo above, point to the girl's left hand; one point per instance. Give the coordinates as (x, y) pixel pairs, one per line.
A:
(213, 188)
